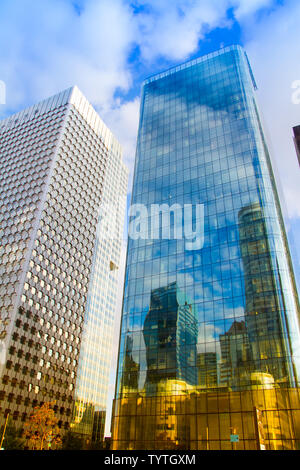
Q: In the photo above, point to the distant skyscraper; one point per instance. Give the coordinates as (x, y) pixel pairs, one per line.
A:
(170, 339)
(296, 130)
(207, 369)
(234, 345)
(262, 312)
(60, 165)
(201, 143)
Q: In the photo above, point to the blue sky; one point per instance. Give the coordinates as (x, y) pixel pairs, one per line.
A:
(108, 47)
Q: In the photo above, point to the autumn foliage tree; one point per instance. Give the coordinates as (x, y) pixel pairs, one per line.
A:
(41, 429)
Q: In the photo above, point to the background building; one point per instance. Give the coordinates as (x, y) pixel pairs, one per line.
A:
(59, 166)
(296, 130)
(170, 339)
(200, 141)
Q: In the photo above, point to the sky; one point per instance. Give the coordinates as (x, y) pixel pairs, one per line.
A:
(108, 47)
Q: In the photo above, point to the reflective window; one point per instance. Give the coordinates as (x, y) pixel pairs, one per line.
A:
(210, 335)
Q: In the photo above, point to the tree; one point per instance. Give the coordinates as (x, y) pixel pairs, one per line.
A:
(13, 437)
(41, 429)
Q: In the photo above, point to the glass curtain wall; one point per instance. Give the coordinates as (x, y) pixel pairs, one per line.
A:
(209, 349)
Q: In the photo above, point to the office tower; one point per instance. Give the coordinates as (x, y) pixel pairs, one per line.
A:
(130, 368)
(61, 169)
(207, 365)
(296, 130)
(262, 308)
(234, 354)
(203, 171)
(170, 339)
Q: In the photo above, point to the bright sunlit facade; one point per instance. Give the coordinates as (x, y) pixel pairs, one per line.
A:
(60, 168)
(209, 353)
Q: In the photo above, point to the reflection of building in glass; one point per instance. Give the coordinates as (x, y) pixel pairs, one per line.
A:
(170, 334)
(83, 418)
(59, 163)
(262, 315)
(207, 365)
(98, 425)
(200, 141)
(234, 345)
(130, 368)
(183, 418)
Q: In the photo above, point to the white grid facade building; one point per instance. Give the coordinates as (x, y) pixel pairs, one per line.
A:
(59, 164)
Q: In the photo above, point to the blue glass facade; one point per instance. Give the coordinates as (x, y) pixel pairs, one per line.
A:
(210, 331)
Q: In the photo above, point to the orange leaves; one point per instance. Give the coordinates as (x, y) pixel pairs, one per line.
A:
(41, 429)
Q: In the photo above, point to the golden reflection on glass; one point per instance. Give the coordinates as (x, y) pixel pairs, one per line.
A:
(209, 352)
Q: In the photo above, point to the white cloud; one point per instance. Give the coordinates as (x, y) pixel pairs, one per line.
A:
(273, 49)
(173, 29)
(46, 47)
(123, 120)
(244, 8)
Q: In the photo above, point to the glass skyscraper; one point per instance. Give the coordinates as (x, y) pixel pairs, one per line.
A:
(209, 352)
(61, 173)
